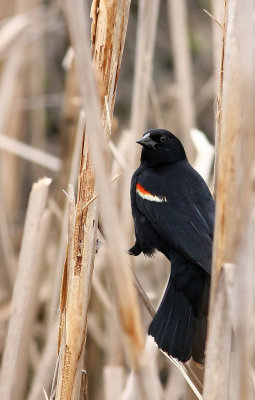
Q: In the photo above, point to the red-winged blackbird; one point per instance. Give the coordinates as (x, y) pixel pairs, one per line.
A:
(173, 213)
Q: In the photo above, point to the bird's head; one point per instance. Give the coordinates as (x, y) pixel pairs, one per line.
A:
(160, 146)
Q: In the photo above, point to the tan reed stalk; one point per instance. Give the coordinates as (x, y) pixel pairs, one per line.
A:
(148, 12)
(219, 96)
(30, 153)
(234, 213)
(218, 358)
(15, 357)
(178, 24)
(225, 172)
(66, 382)
(218, 11)
(145, 44)
(76, 283)
(72, 179)
(45, 368)
(7, 273)
(121, 280)
(242, 380)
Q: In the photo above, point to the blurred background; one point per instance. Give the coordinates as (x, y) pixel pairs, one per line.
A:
(39, 112)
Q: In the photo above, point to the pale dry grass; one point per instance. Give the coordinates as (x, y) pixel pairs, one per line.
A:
(104, 310)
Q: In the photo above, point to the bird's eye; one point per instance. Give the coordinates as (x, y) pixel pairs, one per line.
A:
(162, 139)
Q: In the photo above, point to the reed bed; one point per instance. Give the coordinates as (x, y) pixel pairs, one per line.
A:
(79, 83)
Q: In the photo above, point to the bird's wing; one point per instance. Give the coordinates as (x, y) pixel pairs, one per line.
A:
(182, 221)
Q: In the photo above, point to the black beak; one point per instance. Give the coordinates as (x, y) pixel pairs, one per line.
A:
(146, 141)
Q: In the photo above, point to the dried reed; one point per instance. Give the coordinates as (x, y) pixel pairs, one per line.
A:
(15, 357)
(32, 92)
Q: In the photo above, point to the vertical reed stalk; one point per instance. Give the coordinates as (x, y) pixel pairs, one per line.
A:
(120, 272)
(15, 357)
(178, 24)
(234, 209)
(148, 12)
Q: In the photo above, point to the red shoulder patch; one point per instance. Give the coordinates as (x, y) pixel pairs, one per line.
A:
(145, 194)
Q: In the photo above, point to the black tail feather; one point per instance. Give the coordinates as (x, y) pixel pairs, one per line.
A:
(173, 324)
(199, 339)
(175, 328)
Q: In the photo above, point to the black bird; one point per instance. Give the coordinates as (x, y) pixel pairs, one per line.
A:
(173, 213)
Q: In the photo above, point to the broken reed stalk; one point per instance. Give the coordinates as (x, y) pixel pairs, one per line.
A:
(118, 260)
(70, 373)
(72, 180)
(76, 284)
(178, 19)
(15, 357)
(43, 376)
(235, 204)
